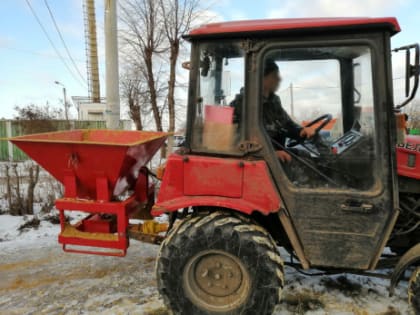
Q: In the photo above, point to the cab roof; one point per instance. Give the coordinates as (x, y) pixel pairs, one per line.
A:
(301, 24)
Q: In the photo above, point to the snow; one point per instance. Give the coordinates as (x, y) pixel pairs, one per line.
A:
(10, 236)
(37, 277)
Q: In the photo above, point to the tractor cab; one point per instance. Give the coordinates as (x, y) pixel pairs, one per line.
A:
(334, 77)
(340, 187)
(320, 85)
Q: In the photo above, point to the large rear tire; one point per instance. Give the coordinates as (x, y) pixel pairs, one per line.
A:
(217, 264)
(414, 291)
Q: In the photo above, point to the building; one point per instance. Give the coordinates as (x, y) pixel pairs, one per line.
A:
(86, 110)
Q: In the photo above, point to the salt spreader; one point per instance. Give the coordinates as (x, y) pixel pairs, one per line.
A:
(104, 175)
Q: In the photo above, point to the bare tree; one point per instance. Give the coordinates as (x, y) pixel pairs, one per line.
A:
(178, 18)
(21, 202)
(8, 186)
(19, 197)
(131, 89)
(414, 115)
(151, 34)
(142, 31)
(33, 180)
(35, 112)
(34, 118)
(135, 92)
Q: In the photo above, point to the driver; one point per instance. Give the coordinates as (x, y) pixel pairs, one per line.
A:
(277, 122)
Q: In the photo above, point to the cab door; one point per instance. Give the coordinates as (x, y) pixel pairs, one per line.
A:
(337, 191)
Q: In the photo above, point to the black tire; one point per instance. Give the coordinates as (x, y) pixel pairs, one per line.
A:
(414, 291)
(235, 237)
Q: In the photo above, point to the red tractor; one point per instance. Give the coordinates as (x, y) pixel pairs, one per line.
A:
(347, 202)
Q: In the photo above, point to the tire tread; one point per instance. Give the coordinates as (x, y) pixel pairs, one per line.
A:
(205, 230)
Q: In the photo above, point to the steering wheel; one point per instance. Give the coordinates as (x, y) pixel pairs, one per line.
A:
(326, 118)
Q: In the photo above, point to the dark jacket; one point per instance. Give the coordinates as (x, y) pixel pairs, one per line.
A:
(276, 121)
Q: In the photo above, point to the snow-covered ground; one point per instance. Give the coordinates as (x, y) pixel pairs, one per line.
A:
(36, 277)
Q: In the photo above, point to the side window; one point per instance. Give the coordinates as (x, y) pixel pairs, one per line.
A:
(307, 80)
(330, 82)
(363, 99)
(219, 101)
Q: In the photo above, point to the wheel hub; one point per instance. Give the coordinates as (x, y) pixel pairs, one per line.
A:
(218, 275)
(217, 280)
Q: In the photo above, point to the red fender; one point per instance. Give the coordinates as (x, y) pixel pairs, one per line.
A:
(190, 180)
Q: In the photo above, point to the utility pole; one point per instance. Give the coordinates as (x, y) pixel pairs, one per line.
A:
(92, 51)
(66, 108)
(112, 112)
(292, 105)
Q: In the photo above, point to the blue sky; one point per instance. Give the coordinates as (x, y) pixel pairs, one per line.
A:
(29, 65)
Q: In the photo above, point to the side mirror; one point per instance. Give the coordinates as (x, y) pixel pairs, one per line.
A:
(410, 71)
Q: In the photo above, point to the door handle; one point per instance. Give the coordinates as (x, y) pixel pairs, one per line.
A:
(357, 206)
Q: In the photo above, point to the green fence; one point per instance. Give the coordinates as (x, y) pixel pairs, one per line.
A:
(4, 150)
(13, 128)
(414, 131)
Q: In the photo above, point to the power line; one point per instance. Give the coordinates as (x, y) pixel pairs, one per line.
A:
(62, 40)
(51, 42)
(36, 53)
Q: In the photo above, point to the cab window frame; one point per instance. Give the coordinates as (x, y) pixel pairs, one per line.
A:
(193, 96)
(377, 186)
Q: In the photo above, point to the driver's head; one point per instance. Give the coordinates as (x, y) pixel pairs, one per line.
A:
(272, 78)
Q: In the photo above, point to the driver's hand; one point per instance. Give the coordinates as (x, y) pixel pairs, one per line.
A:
(284, 156)
(307, 132)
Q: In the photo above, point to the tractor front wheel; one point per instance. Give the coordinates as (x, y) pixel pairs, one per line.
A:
(219, 264)
(414, 291)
